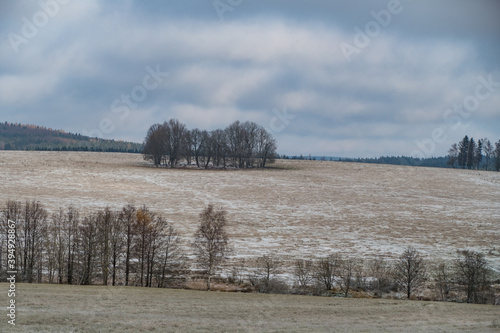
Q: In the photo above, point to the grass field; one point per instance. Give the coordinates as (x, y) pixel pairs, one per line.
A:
(63, 308)
(297, 209)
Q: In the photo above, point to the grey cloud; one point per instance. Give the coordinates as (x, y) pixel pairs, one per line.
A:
(265, 55)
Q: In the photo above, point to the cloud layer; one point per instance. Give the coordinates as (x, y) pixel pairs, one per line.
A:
(100, 68)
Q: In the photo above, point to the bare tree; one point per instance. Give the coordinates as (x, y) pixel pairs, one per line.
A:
(175, 140)
(220, 147)
(380, 270)
(208, 148)
(410, 271)
(472, 272)
(88, 251)
(128, 218)
(360, 283)
(263, 275)
(34, 225)
(144, 228)
(443, 281)
(171, 259)
(154, 144)
(237, 273)
(326, 271)
(249, 138)
(56, 246)
(196, 143)
(188, 147)
(154, 246)
(72, 241)
(453, 155)
(211, 240)
(117, 237)
(267, 266)
(13, 212)
(234, 139)
(346, 274)
(104, 221)
(265, 146)
(303, 272)
(61, 243)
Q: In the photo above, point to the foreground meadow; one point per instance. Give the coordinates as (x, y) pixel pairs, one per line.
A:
(65, 308)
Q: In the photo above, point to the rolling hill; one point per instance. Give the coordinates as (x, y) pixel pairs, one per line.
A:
(15, 136)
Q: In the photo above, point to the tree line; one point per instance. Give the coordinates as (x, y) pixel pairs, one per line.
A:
(15, 136)
(469, 278)
(432, 162)
(469, 154)
(134, 246)
(240, 145)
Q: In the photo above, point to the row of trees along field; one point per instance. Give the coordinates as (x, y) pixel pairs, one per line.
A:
(136, 247)
(240, 145)
(475, 155)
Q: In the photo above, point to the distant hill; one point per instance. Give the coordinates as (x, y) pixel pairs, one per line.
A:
(433, 162)
(31, 137)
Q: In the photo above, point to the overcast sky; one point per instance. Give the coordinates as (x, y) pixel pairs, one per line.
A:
(335, 78)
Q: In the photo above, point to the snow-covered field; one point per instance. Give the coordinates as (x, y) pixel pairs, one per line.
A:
(297, 209)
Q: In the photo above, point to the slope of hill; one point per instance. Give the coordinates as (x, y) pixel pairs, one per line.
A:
(295, 210)
(32, 137)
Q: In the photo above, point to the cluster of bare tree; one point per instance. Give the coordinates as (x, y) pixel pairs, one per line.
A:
(473, 155)
(134, 246)
(327, 275)
(469, 278)
(240, 145)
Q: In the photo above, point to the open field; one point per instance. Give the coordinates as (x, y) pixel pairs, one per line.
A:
(64, 308)
(297, 209)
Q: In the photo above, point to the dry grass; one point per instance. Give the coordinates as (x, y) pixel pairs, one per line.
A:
(297, 209)
(63, 308)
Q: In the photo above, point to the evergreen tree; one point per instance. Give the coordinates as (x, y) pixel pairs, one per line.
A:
(478, 154)
(488, 152)
(462, 153)
(497, 156)
(471, 150)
